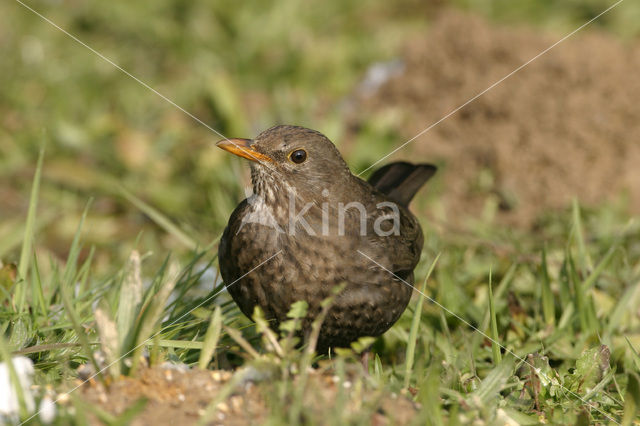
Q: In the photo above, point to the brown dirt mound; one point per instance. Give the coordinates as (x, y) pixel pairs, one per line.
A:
(567, 125)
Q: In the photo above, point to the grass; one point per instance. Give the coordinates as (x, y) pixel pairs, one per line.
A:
(133, 272)
(543, 362)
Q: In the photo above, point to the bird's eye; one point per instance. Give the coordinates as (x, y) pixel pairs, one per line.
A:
(298, 156)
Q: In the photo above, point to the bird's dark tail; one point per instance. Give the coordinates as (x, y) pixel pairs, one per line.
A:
(400, 181)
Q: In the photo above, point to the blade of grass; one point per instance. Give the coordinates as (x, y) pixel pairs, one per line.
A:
(68, 282)
(591, 279)
(548, 305)
(179, 344)
(340, 396)
(307, 356)
(160, 219)
(211, 338)
(583, 256)
(27, 243)
(477, 338)
(566, 317)
(85, 272)
(565, 283)
(77, 326)
(377, 367)
(635, 354)
(70, 269)
(47, 348)
(12, 232)
(415, 325)
(495, 347)
(38, 292)
(584, 302)
(578, 293)
(150, 317)
(237, 336)
(592, 317)
(131, 291)
(429, 396)
(630, 298)
(598, 387)
(109, 340)
(262, 325)
(631, 400)
(492, 384)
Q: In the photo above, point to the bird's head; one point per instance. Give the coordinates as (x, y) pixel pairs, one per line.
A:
(291, 158)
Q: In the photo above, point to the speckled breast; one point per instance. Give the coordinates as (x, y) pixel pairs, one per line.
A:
(307, 267)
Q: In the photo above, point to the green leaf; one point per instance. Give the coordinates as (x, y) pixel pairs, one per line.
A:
(590, 367)
(298, 310)
(362, 344)
(491, 386)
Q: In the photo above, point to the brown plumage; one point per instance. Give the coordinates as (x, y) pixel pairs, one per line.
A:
(299, 173)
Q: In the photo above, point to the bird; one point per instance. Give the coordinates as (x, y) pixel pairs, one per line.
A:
(310, 225)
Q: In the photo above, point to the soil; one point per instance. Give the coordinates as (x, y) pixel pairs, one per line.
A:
(179, 395)
(566, 125)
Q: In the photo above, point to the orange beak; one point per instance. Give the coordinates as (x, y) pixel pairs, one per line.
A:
(243, 148)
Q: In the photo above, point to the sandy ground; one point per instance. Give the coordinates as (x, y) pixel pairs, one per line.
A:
(181, 396)
(567, 125)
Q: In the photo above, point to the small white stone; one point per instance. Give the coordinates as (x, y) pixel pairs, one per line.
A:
(9, 406)
(47, 410)
(236, 403)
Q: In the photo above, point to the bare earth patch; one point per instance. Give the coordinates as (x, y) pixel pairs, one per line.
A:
(567, 125)
(176, 396)
(181, 396)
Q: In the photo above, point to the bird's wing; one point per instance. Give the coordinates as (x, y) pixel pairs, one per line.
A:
(398, 251)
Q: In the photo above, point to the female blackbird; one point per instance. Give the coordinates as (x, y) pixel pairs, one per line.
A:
(324, 225)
